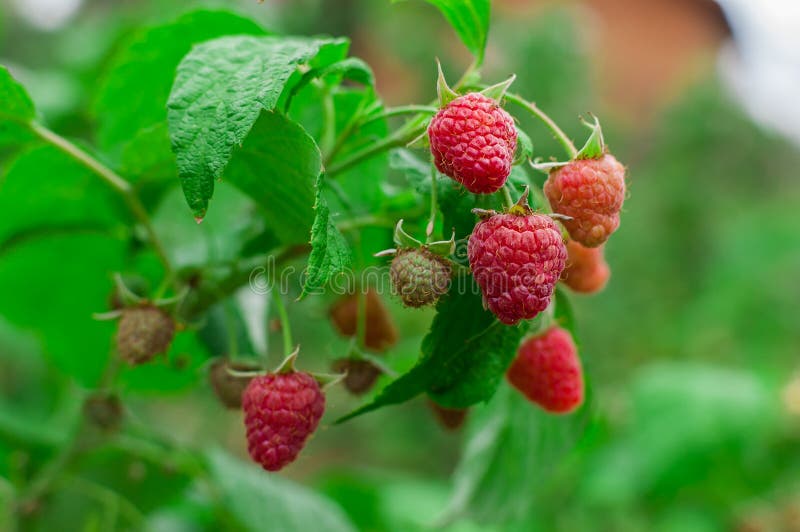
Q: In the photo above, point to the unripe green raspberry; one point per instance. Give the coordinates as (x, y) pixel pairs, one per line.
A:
(419, 277)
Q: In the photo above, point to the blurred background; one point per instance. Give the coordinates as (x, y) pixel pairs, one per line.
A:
(693, 350)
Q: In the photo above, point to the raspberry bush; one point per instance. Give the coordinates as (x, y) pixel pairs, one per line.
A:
(287, 158)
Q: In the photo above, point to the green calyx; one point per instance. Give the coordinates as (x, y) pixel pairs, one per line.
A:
(443, 90)
(595, 146)
(403, 240)
(498, 91)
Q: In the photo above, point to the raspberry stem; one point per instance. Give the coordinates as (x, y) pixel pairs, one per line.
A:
(557, 132)
(432, 219)
(352, 125)
(508, 201)
(401, 110)
(407, 132)
(284, 319)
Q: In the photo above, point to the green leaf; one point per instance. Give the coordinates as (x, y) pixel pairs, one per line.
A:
(147, 157)
(330, 253)
(59, 240)
(15, 104)
(277, 166)
(52, 285)
(16, 111)
(524, 147)
(148, 163)
(219, 92)
(258, 499)
(464, 356)
(35, 204)
(134, 89)
(351, 68)
(467, 349)
(470, 19)
(182, 367)
(512, 448)
(218, 240)
(363, 183)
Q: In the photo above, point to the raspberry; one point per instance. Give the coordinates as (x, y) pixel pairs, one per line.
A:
(361, 374)
(144, 332)
(449, 418)
(587, 271)
(104, 410)
(419, 277)
(227, 387)
(380, 333)
(473, 141)
(516, 260)
(591, 192)
(548, 372)
(281, 410)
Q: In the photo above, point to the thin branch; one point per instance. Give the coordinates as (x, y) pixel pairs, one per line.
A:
(558, 133)
(401, 110)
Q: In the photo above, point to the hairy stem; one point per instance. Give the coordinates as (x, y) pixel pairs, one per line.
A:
(432, 219)
(401, 110)
(116, 182)
(408, 132)
(327, 141)
(557, 132)
(508, 201)
(352, 125)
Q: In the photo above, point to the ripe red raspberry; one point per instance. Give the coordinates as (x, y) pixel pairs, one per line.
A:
(144, 332)
(473, 141)
(419, 277)
(587, 271)
(516, 260)
(281, 410)
(591, 191)
(547, 371)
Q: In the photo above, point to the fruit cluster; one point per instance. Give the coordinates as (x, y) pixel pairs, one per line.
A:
(516, 256)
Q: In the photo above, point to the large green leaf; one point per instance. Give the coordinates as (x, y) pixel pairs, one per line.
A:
(218, 240)
(59, 240)
(52, 285)
(133, 91)
(470, 19)
(464, 356)
(15, 104)
(16, 111)
(219, 92)
(262, 501)
(35, 203)
(277, 167)
(330, 253)
(511, 449)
